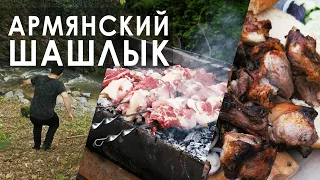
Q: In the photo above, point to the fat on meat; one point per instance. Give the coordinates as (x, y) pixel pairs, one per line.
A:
(145, 92)
(118, 73)
(116, 90)
(175, 75)
(172, 112)
(200, 75)
(205, 111)
(114, 74)
(199, 102)
(138, 101)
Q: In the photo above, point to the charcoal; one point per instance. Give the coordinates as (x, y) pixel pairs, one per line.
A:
(196, 141)
(171, 135)
(193, 136)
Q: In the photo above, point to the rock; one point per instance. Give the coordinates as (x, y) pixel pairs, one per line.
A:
(75, 93)
(87, 95)
(25, 101)
(83, 102)
(9, 176)
(9, 95)
(18, 93)
(59, 100)
(6, 79)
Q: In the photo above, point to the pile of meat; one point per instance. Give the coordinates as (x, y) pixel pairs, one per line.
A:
(177, 97)
(258, 107)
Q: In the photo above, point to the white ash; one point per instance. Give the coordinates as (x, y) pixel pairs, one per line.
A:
(195, 142)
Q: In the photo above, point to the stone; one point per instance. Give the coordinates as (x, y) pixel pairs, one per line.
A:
(59, 100)
(75, 93)
(25, 101)
(83, 102)
(9, 95)
(87, 95)
(18, 93)
(6, 79)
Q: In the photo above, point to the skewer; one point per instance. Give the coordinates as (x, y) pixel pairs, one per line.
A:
(112, 105)
(99, 142)
(110, 119)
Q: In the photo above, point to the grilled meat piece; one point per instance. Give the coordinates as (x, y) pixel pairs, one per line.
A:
(245, 156)
(307, 91)
(254, 31)
(241, 85)
(302, 54)
(262, 91)
(293, 126)
(242, 58)
(249, 117)
(273, 76)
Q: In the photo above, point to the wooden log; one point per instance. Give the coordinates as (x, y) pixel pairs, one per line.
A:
(95, 167)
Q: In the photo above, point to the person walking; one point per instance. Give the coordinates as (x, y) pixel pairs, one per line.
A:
(47, 88)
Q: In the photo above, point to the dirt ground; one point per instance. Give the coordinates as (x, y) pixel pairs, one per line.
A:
(20, 161)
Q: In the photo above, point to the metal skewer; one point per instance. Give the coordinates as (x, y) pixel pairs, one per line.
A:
(113, 105)
(105, 121)
(110, 119)
(99, 142)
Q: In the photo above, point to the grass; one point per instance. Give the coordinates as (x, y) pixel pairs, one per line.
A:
(4, 140)
(19, 161)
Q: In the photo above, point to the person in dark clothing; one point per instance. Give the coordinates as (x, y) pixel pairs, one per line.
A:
(47, 88)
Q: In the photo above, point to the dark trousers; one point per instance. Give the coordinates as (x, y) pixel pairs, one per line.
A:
(53, 124)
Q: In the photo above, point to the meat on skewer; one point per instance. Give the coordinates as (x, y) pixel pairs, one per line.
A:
(172, 112)
(138, 91)
(117, 89)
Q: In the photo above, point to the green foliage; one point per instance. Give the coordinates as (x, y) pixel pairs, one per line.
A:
(80, 125)
(144, 4)
(60, 176)
(5, 140)
(122, 2)
(208, 27)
